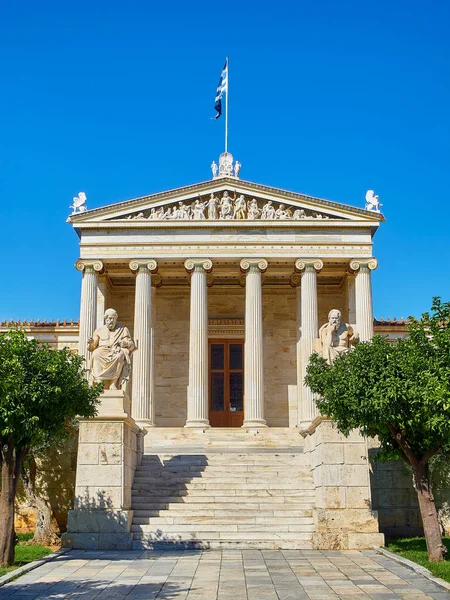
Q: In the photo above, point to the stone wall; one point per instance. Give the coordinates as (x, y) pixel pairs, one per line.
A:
(395, 499)
(280, 358)
(55, 480)
(344, 516)
(171, 330)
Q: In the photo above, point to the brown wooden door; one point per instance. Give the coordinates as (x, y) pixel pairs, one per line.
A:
(226, 383)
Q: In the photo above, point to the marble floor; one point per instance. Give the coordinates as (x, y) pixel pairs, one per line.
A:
(222, 575)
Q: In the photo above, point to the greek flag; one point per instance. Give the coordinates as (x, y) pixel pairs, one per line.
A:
(221, 88)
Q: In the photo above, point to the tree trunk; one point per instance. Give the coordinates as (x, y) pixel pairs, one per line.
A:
(9, 482)
(435, 547)
(43, 534)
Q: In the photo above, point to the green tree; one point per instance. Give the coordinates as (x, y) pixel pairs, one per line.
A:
(400, 393)
(42, 392)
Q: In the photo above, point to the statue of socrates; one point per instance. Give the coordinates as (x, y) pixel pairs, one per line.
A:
(336, 336)
(111, 346)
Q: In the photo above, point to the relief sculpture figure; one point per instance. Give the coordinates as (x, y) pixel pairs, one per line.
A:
(268, 211)
(226, 207)
(213, 207)
(198, 210)
(336, 336)
(111, 346)
(240, 206)
(253, 210)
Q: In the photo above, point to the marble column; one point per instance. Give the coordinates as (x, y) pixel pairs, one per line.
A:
(142, 401)
(351, 300)
(197, 402)
(88, 304)
(363, 296)
(253, 347)
(294, 281)
(309, 320)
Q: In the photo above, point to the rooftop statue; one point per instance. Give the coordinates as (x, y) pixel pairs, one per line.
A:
(372, 203)
(79, 203)
(111, 346)
(336, 336)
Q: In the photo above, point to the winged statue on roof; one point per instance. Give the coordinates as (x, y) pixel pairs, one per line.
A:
(79, 203)
(372, 201)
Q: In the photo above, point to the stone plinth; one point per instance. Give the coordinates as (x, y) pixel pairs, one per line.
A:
(343, 515)
(114, 404)
(109, 449)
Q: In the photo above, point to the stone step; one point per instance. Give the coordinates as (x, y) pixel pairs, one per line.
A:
(199, 529)
(219, 474)
(244, 458)
(207, 497)
(204, 490)
(216, 435)
(224, 520)
(149, 543)
(220, 482)
(211, 511)
(245, 539)
(177, 504)
(188, 467)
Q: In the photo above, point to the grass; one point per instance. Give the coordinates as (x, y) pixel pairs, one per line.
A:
(25, 554)
(415, 549)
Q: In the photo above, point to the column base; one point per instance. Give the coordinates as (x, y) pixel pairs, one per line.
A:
(254, 423)
(145, 423)
(198, 424)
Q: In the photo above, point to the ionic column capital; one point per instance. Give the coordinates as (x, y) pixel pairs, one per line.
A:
(247, 263)
(305, 264)
(295, 279)
(369, 263)
(94, 265)
(203, 263)
(148, 263)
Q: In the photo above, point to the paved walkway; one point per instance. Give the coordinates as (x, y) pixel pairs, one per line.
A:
(222, 575)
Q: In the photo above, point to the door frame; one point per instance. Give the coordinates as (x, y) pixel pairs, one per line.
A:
(230, 418)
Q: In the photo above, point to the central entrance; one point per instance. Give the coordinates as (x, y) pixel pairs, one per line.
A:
(226, 383)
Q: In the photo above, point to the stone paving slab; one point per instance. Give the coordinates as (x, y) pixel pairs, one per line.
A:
(222, 575)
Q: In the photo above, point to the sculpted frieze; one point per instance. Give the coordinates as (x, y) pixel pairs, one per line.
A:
(226, 207)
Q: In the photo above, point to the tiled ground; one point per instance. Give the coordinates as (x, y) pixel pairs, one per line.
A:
(222, 575)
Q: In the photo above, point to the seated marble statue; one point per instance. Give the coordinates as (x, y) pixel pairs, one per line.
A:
(336, 336)
(111, 346)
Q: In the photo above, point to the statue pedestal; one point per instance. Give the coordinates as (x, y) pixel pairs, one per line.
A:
(343, 515)
(110, 446)
(115, 404)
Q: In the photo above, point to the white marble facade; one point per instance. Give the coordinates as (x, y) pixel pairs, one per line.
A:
(267, 279)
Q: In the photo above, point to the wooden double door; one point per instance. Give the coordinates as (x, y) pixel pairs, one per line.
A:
(226, 383)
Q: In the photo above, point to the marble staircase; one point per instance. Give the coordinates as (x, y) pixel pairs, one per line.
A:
(222, 490)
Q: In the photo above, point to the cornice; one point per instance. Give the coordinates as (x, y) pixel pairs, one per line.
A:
(224, 224)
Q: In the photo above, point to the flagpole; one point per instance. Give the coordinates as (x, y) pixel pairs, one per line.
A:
(226, 109)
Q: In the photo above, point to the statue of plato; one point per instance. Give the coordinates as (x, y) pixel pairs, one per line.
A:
(111, 346)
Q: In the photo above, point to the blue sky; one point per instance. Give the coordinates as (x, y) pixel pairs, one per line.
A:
(326, 98)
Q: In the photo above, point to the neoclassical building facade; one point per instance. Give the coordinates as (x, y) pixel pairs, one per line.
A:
(214, 440)
(193, 290)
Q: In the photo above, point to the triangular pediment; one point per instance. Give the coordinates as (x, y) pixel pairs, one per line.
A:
(224, 199)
